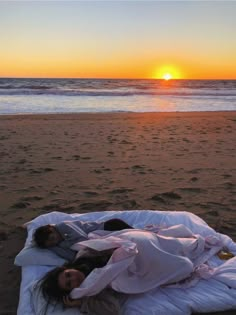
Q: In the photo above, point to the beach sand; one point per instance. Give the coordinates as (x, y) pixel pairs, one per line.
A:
(94, 162)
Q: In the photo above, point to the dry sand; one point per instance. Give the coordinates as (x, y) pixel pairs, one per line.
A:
(91, 162)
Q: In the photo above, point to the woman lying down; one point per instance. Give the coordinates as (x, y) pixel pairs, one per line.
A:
(135, 261)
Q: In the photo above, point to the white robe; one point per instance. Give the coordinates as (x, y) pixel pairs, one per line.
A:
(143, 260)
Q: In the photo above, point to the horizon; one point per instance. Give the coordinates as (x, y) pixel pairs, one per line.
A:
(87, 78)
(118, 40)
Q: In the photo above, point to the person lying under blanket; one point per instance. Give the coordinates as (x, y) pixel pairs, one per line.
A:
(134, 261)
(60, 237)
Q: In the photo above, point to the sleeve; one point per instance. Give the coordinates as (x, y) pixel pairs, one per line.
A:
(90, 226)
(105, 303)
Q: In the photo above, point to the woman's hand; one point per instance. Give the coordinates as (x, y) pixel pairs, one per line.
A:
(71, 303)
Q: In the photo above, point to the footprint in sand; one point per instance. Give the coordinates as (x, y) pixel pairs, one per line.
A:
(56, 207)
(214, 213)
(22, 161)
(120, 190)
(110, 153)
(41, 170)
(192, 190)
(227, 175)
(125, 142)
(31, 198)
(194, 179)
(158, 198)
(229, 185)
(194, 171)
(90, 193)
(139, 168)
(97, 171)
(95, 206)
(171, 195)
(3, 236)
(130, 204)
(21, 205)
(164, 197)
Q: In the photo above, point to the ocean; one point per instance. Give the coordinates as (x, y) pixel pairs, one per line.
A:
(37, 96)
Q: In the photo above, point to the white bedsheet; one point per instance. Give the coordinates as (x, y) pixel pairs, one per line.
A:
(207, 296)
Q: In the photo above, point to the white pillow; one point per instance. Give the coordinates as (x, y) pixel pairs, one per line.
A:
(31, 255)
(41, 307)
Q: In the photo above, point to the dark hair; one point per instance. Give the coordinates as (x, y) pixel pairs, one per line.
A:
(41, 235)
(116, 225)
(49, 285)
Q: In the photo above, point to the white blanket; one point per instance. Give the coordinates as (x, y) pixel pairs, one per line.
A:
(143, 260)
(207, 295)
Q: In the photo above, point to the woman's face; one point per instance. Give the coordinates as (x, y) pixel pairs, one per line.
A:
(70, 279)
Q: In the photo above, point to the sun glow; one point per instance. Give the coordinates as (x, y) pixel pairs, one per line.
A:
(167, 76)
(167, 73)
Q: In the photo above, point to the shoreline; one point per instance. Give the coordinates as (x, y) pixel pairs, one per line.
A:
(114, 113)
(83, 162)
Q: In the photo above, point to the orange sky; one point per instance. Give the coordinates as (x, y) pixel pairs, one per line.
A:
(189, 40)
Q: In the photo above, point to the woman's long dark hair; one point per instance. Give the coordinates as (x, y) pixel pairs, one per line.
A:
(49, 285)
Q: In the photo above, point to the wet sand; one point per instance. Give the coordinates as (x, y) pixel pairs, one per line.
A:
(92, 162)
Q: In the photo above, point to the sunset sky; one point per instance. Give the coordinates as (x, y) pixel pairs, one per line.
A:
(118, 39)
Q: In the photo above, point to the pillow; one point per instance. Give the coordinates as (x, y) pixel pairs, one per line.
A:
(41, 307)
(31, 255)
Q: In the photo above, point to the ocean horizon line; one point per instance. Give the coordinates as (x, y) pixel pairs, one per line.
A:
(117, 113)
(91, 78)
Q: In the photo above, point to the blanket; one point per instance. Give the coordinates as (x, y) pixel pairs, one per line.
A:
(143, 260)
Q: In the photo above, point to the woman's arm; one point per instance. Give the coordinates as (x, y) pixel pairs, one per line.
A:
(71, 303)
(105, 303)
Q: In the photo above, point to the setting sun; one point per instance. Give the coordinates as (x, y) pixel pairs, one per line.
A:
(167, 72)
(167, 76)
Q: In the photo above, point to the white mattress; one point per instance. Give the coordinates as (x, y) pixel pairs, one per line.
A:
(207, 296)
